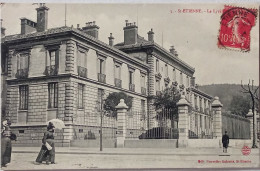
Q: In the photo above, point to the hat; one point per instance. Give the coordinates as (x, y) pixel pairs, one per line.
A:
(50, 126)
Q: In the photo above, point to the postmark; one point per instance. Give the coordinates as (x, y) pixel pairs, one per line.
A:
(235, 26)
(246, 150)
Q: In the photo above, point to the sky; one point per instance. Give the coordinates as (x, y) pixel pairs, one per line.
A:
(194, 35)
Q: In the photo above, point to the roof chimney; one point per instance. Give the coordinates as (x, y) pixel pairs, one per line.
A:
(130, 33)
(173, 51)
(27, 26)
(42, 18)
(111, 40)
(192, 82)
(91, 29)
(2, 28)
(151, 35)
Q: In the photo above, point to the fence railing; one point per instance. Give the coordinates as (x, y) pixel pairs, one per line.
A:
(236, 126)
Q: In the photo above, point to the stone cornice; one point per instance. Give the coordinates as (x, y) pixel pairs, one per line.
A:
(155, 46)
(201, 93)
(66, 32)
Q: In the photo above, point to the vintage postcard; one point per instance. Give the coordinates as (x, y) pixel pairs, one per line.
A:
(129, 85)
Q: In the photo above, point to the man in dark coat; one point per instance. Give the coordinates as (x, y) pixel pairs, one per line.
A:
(225, 142)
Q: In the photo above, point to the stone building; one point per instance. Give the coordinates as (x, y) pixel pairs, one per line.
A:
(64, 72)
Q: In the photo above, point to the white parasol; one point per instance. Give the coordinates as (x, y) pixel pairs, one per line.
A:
(58, 124)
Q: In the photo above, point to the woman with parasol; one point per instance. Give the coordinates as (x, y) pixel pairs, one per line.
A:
(47, 152)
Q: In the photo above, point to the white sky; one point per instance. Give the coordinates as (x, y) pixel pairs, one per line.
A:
(193, 35)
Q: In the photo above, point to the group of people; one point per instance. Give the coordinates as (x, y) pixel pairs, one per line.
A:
(47, 152)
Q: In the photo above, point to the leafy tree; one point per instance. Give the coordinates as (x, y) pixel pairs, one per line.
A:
(166, 103)
(113, 99)
(240, 105)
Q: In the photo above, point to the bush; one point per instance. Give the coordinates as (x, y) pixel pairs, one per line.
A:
(113, 99)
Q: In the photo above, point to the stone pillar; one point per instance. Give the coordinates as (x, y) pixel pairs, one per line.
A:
(151, 79)
(121, 123)
(217, 119)
(250, 117)
(183, 122)
(68, 134)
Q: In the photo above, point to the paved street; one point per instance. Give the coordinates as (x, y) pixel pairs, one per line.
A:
(87, 158)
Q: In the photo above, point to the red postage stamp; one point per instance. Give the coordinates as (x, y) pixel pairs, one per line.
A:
(235, 27)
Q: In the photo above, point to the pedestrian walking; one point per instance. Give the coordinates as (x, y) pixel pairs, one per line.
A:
(225, 142)
(6, 144)
(47, 152)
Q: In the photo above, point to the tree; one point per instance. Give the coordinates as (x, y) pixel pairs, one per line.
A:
(254, 94)
(113, 100)
(240, 105)
(167, 100)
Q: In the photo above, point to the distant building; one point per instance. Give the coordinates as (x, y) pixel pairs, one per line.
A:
(63, 72)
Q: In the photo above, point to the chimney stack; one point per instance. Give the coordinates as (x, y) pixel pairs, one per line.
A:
(91, 29)
(2, 32)
(42, 18)
(151, 35)
(192, 82)
(2, 28)
(173, 51)
(130, 33)
(27, 26)
(111, 40)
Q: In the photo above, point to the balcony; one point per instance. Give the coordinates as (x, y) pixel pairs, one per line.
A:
(22, 73)
(51, 70)
(175, 83)
(167, 80)
(118, 83)
(101, 78)
(131, 87)
(82, 72)
(182, 87)
(158, 93)
(158, 76)
(143, 91)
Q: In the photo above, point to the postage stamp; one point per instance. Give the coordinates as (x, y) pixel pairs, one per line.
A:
(235, 27)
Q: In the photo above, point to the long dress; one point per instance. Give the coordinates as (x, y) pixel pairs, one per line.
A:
(45, 154)
(225, 141)
(6, 146)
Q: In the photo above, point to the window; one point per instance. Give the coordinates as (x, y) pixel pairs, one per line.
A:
(157, 85)
(82, 58)
(166, 70)
(22, 65)
(181, 78)
(80, 95)
(131, 77)
(143, 106)
(117, 71)
(174, 75)
(52, 62)
(101, 94)
(142, 80)
(187, 81)
(200, 121)
(23, 61)
(101, 66)
(53, 95)
(157, 65)
(23, 92)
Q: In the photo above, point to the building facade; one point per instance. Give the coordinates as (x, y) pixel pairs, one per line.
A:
(65, 72)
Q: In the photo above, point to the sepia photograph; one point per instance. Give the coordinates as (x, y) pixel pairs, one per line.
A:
(129, 85)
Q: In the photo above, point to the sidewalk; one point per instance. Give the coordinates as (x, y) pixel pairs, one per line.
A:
(138, 151)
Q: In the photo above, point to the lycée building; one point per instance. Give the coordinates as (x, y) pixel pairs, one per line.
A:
(63, 72)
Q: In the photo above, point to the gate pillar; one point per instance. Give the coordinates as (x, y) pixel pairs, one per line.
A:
(217, 119)
(121, 123)
(183, 123)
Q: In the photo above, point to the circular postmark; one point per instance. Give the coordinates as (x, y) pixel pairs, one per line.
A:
(246, 150)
